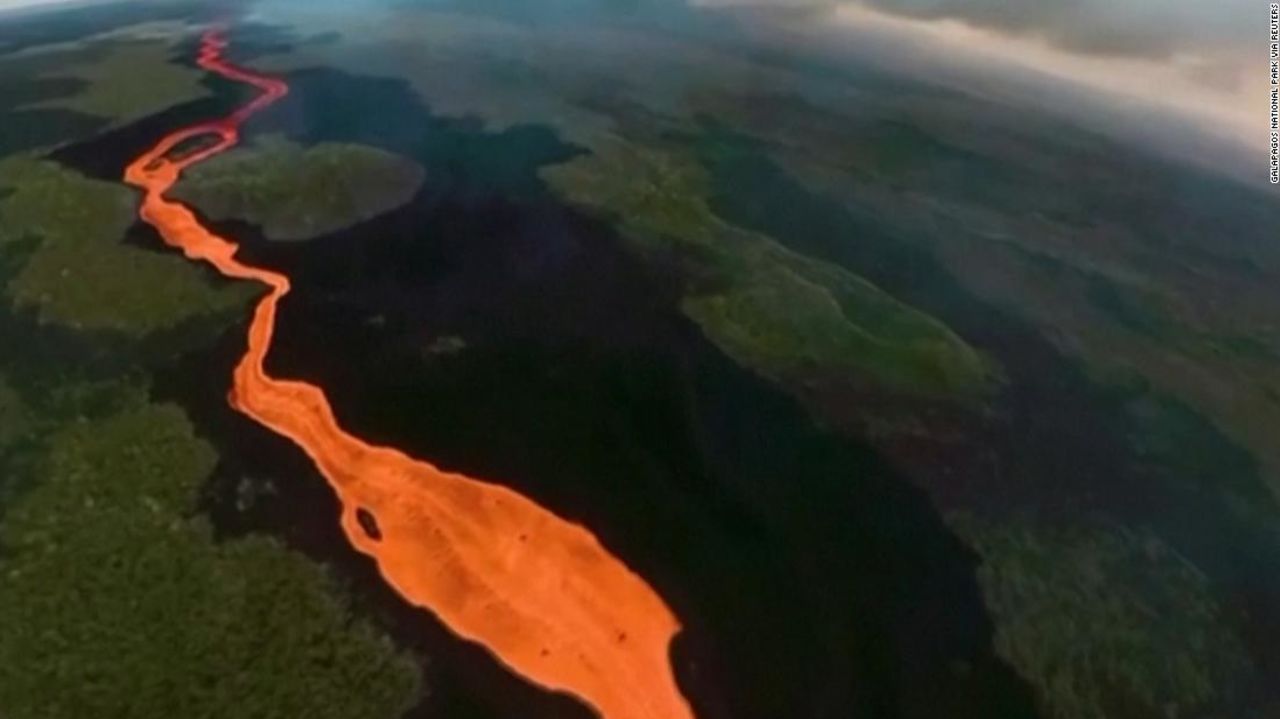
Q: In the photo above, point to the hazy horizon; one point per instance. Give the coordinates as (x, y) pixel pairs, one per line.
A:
(1157, 73)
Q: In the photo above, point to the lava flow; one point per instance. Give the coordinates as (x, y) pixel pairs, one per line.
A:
(539, 592)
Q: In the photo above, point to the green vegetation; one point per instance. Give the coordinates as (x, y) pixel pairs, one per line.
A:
(63, 92)
(1173, 435)
(124, 80)
(1152, 313)
(14, 417)
(115, 598)
(18, 430)
(1172, 277)
(81, 274)
(777, 311)
(1106, 623)
(295, 193)
(1211, 346)
(118, 602)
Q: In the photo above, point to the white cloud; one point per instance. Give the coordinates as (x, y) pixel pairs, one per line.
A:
(1135, 60)
(1146, 28)
(15, 5)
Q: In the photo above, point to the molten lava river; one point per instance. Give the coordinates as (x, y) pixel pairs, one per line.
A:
(539, 592)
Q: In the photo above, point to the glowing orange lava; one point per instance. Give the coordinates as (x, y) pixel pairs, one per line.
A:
(538, 591)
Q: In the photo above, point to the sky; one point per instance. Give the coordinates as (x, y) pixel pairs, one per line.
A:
(7, 5)
(1205, 60)
(13, 4)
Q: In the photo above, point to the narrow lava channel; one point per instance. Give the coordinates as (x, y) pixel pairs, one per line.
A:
(539, 592)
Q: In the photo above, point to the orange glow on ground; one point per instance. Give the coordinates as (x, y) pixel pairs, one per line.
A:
(540, 592)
